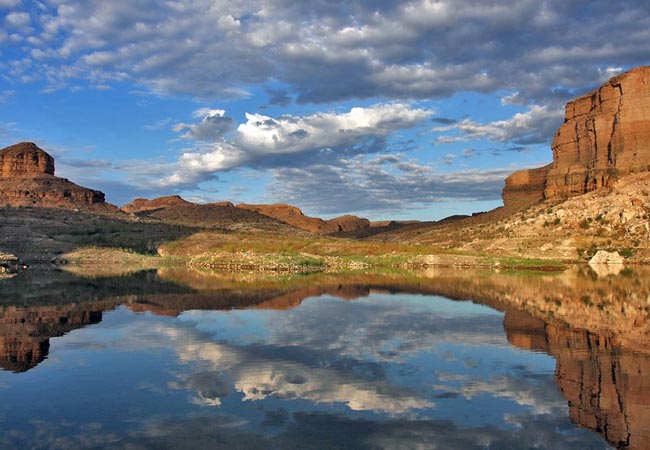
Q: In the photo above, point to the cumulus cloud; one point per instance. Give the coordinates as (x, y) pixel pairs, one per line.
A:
(340, 49)
(534, 126)
(213, 126)
(9, 3)
(17, 19)
(287, 140)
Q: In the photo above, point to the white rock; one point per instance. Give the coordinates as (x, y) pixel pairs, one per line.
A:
(605, 257)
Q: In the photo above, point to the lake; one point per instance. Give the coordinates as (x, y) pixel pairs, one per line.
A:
(448, 359)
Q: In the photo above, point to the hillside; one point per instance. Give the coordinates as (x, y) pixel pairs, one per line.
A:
(177, 211)
(614, 218)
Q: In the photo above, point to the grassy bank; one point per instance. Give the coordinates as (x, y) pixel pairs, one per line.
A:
(281, 253)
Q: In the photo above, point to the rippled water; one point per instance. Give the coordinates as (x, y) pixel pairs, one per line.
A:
(153, 362)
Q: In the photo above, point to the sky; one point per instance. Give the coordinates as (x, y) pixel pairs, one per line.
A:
(381, 108)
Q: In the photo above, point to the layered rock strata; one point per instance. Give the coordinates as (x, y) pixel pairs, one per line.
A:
(605, 135)
(525, 188)
(27, 179)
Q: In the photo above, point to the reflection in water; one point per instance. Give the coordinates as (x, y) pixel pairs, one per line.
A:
(607, 386)
(285, 370)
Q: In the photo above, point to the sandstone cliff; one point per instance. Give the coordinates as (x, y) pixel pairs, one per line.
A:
(525, 188)
(27, 179)
(25, 159)
(605, 135)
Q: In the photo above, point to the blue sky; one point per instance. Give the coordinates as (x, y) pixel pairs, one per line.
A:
(386, 109)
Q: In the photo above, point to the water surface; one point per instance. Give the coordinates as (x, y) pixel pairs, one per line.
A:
(175, 359)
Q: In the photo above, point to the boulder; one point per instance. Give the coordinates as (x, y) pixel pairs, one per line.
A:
(603, 257)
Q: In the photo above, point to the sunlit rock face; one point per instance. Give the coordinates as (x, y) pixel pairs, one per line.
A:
(25, 159)
(605, 136)
(27, 179)
(143, 204)
(525, 188)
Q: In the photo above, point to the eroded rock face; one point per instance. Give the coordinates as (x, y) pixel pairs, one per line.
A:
(525, 188)
(27, 179)
(605, 135)
(349, 223)
(25, 159)
(605, 384)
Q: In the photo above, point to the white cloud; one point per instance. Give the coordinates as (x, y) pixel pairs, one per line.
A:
(17, 19)
(9, 3)
(329, 51)
(6, 95)
(261, 376)
(213, 126)
(379, 185)
(532, 127)
(262, 138)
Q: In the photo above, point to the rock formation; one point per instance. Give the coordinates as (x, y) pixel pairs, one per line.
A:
(25, 159)
(295, 217)
(27, 179)
(605, 135)
(525, 188)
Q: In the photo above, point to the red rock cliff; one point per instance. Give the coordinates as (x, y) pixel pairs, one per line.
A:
(605, 135)
(604, 383)
(25, 159)
(27, 179)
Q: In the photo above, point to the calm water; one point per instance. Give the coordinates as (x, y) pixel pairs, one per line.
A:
(188, 360)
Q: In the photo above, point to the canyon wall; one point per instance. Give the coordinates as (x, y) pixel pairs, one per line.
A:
(605, 135)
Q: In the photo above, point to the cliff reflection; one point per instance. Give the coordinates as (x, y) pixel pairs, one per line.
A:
(606, 385)
(597, 328)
